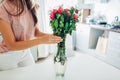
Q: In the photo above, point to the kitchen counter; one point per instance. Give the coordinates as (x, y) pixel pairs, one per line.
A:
(112, 52)
(102, 27)
(98, 30)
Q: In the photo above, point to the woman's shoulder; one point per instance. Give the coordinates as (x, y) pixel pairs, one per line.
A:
(1, 10)
(3, 14)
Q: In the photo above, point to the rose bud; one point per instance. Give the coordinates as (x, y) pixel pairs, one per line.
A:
(52, 16)
(75, 17)
(68, 13)
(66, 10)
(60, 10)
(76, 11)
(54, 11)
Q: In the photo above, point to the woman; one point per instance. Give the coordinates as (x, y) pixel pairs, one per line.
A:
(18, 26)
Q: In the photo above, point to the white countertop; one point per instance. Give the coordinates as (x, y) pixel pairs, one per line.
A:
(80, 67)
(100, 27)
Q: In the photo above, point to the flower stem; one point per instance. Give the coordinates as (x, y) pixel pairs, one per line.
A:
(61, 52)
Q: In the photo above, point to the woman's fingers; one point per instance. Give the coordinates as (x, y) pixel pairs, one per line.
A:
(56, 39)
(3, 43)
(4, 48)
(1, 50)
(51, 39)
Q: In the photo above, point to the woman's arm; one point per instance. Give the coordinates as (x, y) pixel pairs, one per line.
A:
(12, 44)
(38, 32)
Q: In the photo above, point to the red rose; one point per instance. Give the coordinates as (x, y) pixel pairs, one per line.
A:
(52, 16)
(54, 11)
(76, 11)
(60, 10)
(75, 17)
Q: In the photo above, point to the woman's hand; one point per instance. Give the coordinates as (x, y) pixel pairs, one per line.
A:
(51, 39)
(3, 47)
(47, 38)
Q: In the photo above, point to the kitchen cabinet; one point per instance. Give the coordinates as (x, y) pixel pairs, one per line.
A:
(113, 51)
(114, 44)
(95, 32)
(112, 55)
(82, 37)
(86, 41)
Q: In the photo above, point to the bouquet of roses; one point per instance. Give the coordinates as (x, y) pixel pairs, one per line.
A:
(63, 21)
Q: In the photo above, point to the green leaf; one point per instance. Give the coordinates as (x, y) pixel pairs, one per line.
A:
(52, 23)
(74, 28)
(61, 24)
(58, 16)
(72, 11)
(70, 32)
(62, 18)
(66, 26)
(56, 31)
(56, 23)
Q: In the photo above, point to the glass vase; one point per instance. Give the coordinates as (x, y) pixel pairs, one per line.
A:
(60, 59)
(60, 69)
